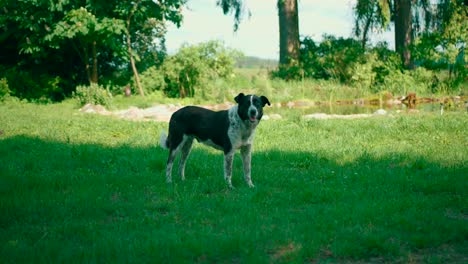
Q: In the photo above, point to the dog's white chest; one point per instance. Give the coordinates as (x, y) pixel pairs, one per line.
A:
(239, 134)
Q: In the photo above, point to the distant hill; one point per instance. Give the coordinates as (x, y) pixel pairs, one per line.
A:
(255, 62)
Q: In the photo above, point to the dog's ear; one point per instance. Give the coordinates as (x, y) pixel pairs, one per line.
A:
(264, 100)
(238, 97)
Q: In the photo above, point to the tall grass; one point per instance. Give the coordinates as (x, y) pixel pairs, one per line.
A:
(85, 188)
(258, 81)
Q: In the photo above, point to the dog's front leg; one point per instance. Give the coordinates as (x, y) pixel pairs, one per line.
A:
(246, 153)
(228, 159)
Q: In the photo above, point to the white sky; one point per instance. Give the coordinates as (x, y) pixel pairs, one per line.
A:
(259, 35)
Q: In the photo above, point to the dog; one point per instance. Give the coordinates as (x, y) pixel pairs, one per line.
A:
(226, 130)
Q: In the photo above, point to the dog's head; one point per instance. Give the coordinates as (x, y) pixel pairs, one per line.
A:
(250, 107)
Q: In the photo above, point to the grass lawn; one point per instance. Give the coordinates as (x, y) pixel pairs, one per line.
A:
(85, 188)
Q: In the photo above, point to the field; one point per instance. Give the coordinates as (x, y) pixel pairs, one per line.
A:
(84, 188)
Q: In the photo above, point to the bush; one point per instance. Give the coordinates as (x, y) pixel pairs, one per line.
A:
(152, 80)
(333, 58)
(378, 64)
(32, 85)
(4, 89)
(93, 94)
(182, 74)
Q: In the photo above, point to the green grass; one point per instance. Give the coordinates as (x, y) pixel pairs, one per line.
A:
(84, 188)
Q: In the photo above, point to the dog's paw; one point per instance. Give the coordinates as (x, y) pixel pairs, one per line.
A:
(251, 185)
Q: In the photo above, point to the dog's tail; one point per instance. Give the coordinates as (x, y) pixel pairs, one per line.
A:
(163, 140)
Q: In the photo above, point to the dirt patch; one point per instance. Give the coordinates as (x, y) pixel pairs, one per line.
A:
(163, 113)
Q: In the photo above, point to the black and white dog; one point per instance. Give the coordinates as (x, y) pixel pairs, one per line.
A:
(226, 130)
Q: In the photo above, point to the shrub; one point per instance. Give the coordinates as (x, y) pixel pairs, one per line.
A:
(152, 80)
(4, 89)
(93, 94)
(378, 64)
(333, 58)
(33, 85)
(182, 74)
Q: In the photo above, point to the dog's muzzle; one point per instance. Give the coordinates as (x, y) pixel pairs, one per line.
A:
(253, 114)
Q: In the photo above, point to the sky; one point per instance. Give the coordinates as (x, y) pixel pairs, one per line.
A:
(258, 35)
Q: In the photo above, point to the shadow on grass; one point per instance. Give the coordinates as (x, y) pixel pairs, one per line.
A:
(66, 202)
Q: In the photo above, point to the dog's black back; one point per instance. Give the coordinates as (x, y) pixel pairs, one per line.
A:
(201, 123)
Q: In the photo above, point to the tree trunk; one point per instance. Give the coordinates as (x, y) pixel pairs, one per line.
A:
(289, 31)
(403, 31)
(94, 74)
(365, 31)
(130, 52)
(87, 66)
(132, 63)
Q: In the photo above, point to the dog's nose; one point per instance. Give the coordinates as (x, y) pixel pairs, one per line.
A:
(253, 112)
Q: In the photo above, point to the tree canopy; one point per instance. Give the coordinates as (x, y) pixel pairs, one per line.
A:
(51, 47)
(76, 42)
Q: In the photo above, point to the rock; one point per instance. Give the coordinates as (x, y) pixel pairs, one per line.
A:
(278, 105)
(131, 113)
(380, 112)
(276, 116)
(156, 110)
(325, 116)
(290, 105)
(94, 109)
(316, 116)
(272, 117)
(88, 108)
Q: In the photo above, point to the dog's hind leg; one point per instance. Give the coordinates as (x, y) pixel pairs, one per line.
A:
(186, 146)
(246, 153)
(170, 162)
(175, 144)
(228, 159)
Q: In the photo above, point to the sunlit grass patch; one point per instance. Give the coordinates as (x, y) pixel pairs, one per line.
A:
(80, 187)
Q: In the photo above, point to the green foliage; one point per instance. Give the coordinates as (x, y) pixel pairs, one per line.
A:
(93, 94)
(33, 85)
(333, 58)
(182, 74)
(4, 89)
(44, 37)
(377, 65)
(152, 80)
(445, 49)
(233, 7)
(374, 69)
(371, 15)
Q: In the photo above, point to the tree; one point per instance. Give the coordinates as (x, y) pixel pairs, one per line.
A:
(371, 15)
(44, 40)
(140, 16)
(86, 33)
(288, 26)
(410, 17)
(403, 30)
(289, 31)
(444, 46)
(128, 22)
(377, 14)
(31, 63)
